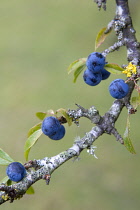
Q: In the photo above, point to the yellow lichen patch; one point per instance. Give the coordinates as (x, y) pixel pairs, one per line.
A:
(130, 69)
(5, 197)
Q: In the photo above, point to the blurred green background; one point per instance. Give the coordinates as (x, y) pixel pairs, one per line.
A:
(38, 40)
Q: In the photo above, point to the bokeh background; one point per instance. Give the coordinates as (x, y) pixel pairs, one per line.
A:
(38, 40)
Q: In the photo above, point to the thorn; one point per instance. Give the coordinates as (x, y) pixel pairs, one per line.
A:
(132, 111)
(47, 178)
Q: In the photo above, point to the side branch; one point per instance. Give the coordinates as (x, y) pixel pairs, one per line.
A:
(126, 32)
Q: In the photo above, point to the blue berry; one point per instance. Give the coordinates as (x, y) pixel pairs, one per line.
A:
(105, 74)
(91, 78)
(50, 125)
(15, 171)
(95, 62)
(118, 89)
(59, 134)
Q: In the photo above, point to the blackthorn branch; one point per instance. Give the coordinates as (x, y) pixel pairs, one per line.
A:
(42, 169)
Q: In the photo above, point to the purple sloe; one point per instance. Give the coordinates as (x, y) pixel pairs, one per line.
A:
(59, 133)
(15, 171)
(50, 125)
(118, 89)
(95, 62)
(91, 78)
(105, 74)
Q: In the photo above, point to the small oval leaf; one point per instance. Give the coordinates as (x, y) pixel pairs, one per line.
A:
(81, 62)
(100, 38)
(41, 115)
(129, 146)
(9, 182)
(34, 128)
(72, 66)
(6, 180)
(78, 72)
(32, 139)
(30, 190)
(114, 68)
(135, 101)
(127, 141)
(5, 159)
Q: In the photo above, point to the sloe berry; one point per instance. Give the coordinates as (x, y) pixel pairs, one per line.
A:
(50, 125)
(15, 171)
(91, 78)
(105, 74)
(118, 89)
(59, 133)
(95, 62)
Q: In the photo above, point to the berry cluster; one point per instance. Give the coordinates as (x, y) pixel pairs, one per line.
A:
(95, 71)
(52, 128)
(15, 171)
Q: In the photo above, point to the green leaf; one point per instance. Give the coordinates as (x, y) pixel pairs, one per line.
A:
(34, 128)
(41, 115)
(9, 182)
(5, 180)
(100, 38)
(76, 64)
(114, 68)
(135, 101)
(30, 190)
(127, 141)
(32, 139)
(78, 72)
(129, 146)
(64, 113)
(5, 159)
